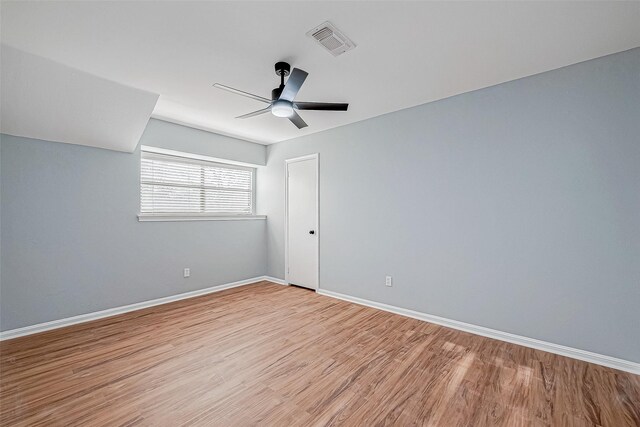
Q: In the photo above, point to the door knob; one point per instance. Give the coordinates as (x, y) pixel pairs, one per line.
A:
(312, 232)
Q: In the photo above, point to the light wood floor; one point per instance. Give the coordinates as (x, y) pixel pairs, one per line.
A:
(267, 354)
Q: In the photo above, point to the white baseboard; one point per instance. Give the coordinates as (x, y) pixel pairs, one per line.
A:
(274, 280)
(587, 356)
(60, 323)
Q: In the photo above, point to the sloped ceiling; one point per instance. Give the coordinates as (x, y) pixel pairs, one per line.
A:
(47, 100)
(407, 53)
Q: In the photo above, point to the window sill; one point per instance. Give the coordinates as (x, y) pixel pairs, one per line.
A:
(187, 217)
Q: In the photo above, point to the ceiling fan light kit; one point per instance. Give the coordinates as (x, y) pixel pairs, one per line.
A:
(282, 102)
(281, 108)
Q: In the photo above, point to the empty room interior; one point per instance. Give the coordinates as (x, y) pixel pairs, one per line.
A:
(313, 213)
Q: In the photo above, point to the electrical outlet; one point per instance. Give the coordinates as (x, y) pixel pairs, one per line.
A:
(388, 281)
(187, 272)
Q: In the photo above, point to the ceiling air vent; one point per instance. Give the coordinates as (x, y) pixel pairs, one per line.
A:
(331, 38)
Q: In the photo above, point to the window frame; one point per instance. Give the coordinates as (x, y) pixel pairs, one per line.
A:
(190, 158)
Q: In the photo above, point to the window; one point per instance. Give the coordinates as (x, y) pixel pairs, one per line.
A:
(182, 185)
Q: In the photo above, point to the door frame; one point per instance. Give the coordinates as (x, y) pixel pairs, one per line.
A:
(287, 162)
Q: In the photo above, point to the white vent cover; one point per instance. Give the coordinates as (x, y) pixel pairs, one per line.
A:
(331, 38)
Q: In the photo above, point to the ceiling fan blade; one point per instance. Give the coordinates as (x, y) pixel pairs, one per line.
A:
(297, 120)
(255, 113)
(321, 106)
(241, 92)
(294, 82)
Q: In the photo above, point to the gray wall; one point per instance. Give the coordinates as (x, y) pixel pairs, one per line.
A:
(71, 242)
(167, 135)
(515, 207)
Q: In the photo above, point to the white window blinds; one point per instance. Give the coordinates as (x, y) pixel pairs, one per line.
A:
(172, 184)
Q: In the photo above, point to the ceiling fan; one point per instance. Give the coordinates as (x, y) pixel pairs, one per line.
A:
(282, 102)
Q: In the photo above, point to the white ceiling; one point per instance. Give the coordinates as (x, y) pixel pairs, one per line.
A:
(407, 53)
(43, 99)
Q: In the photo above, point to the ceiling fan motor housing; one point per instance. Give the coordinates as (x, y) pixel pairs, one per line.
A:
(275, 93)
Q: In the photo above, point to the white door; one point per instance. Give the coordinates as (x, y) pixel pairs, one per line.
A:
(302, 221)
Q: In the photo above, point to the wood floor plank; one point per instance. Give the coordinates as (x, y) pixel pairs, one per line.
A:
(271, 355)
